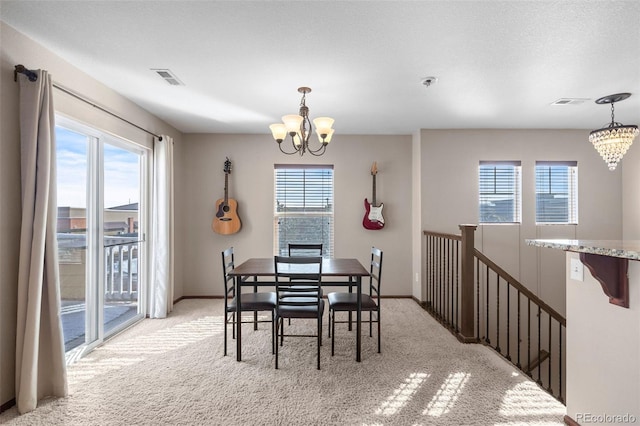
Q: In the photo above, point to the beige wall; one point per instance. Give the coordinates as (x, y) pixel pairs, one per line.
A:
(9, 219)
(416, 217)
(450, 197)
(603, 348)
(630, 189)
(18, 49)
(251, 184)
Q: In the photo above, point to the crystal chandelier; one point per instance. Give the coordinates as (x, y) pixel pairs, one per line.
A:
(613, 141)
(298, 126)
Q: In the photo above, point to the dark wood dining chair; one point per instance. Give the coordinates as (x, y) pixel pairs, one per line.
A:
(305, 249)
(264, 301)
(348, 302)
(296, 302)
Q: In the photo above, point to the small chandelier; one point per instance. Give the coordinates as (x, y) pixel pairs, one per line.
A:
(613, 141)
(299, 128)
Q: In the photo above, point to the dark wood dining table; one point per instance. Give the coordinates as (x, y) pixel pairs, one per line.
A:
(261, 272)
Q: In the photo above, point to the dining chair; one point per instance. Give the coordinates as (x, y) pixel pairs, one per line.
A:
(348, 302)
(305, 249)
(294, 301)
(250, 302)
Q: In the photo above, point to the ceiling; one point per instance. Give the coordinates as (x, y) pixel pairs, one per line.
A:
(499, 64)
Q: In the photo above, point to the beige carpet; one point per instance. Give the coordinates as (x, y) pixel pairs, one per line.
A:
(172, 372)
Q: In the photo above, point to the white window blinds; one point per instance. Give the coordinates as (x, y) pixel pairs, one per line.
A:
(557, 192)
(499, 187)
(303, 206)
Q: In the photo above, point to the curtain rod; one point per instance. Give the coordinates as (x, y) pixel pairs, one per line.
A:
(33, 76)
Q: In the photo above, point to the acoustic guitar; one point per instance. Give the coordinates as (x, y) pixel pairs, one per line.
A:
(226, 220)
(373, 215)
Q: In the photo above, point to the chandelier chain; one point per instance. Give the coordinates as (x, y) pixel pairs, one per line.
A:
(612, 116)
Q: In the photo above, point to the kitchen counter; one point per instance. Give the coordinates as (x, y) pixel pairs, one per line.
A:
(607, 260)
(612, 248)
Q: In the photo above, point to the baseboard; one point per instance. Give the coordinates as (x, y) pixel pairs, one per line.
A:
(568, 420)
(201, 297)
(9, 404)
(196, 297)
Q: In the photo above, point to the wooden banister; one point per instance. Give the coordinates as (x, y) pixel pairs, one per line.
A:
(516, 284)
(467, 287)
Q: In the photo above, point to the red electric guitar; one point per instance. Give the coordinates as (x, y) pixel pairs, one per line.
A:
(373, 216)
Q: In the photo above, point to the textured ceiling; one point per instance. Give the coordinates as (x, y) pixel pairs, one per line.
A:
(499, 64)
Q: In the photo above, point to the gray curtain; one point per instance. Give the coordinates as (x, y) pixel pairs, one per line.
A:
(40, 361)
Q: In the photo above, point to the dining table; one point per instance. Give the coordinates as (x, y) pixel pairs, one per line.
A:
(260, 272)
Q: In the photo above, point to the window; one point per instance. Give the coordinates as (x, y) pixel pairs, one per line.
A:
(303, 207)
(557, 192)
(499, 188)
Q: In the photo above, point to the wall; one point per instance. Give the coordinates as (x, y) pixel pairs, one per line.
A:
(416, 222)
(18, 49)
(630, 200)
(603, 349)
(449, 167)
(251, 184)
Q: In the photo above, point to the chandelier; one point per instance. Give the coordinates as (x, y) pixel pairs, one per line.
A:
(298, 127)
(613, 141)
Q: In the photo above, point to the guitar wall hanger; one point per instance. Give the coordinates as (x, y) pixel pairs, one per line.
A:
(373, 219)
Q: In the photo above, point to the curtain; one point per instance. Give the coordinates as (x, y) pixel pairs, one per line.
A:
(161, 294)
(40, 361)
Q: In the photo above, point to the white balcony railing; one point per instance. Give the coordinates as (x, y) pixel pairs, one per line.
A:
(121, 272)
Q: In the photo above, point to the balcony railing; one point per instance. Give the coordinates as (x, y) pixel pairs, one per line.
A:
(121, 272)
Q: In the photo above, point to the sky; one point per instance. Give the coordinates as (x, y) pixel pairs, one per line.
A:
(121, 171)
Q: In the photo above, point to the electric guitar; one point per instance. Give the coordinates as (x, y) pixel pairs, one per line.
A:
(373, 216)
(226, 220)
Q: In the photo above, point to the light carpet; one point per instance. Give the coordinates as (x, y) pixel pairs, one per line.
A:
(172, 372)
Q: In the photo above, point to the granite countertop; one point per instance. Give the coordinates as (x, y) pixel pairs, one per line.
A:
(614, 248)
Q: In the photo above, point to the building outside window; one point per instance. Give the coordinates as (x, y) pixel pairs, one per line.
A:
(303, 206)
(556, 192)
(499, 187)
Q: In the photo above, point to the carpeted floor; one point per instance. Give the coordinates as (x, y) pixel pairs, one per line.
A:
(172, 372)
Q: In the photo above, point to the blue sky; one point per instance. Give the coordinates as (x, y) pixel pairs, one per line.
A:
(121, 172)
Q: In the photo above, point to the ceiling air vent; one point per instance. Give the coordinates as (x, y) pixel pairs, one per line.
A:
(168, 76)
(570, 101)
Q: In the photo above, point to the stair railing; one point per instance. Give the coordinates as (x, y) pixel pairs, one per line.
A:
(479, 302)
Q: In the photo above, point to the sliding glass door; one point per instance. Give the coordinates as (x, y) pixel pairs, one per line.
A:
(72, 150)
(122, 238)
(102, 224)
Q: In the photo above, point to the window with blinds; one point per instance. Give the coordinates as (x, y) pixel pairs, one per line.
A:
(499, 187)
(556, 192)
(303, 206)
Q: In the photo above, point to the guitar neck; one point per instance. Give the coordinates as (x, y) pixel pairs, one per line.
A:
(226, 192)
(374, 191)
